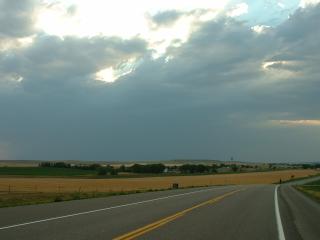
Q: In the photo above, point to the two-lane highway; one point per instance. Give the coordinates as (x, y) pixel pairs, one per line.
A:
(229, 212)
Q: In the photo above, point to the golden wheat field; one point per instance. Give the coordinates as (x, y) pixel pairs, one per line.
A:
(127, 184)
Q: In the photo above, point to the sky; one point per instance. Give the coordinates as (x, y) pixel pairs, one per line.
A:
(159, 80)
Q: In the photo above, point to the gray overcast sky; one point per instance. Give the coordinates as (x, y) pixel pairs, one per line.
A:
(144, 80)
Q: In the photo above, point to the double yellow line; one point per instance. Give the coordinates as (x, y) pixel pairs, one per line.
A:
(140, 231)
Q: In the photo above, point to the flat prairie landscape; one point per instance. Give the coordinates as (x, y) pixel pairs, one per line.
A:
(54, 185)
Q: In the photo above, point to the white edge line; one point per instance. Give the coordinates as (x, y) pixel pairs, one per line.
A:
(281, 235)
(106, 209)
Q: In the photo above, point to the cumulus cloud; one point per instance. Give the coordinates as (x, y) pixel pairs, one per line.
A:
(17, 23)
(17, 18)
(165, 18)
(305, 3)
(238, 10)
(211, 97)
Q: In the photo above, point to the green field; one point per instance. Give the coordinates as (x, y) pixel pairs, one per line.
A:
(314, 183)
(43, 171)
(312, 189)
(73, 172)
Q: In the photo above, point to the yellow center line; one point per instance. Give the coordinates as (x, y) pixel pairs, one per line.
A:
(140, 231)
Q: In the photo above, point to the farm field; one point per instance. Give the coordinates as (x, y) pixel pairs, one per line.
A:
(20, 191)
(13, 184)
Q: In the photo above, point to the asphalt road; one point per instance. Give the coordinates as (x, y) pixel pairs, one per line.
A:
(230, 212)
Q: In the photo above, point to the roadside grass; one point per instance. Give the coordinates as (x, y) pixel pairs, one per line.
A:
(311, 189)
(13, 199)
(293, 179)
(314, 183)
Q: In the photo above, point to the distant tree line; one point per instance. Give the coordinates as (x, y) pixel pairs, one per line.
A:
(158, 168)
(197, 168)
(101, 170)
(311, 166)
(275, 166)
(55, 164)
(67, 165)
(145, 168)
(161, 168)
(136, 168)
(110, 170)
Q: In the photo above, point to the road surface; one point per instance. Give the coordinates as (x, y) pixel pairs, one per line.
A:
(226, 212)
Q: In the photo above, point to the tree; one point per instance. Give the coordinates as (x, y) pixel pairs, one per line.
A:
(110, 169)
(122, 168)
(147, 168)
(213, 168)
(234, 167)
(194, 168)
(102, 171)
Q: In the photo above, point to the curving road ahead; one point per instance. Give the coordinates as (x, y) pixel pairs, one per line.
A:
(229, 212)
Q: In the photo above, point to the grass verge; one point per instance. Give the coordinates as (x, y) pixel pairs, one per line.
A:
(311, 189)
(293, 179)
(19, 199)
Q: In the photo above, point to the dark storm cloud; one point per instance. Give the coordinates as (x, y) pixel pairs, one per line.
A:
(300, 53)
(213, 99)
(223, 51)
(52, 62)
